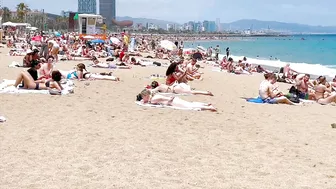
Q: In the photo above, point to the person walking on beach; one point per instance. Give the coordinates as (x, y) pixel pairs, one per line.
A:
(217, 50)
(227, 52)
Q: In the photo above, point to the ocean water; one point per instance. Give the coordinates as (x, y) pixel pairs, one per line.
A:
(316, 54)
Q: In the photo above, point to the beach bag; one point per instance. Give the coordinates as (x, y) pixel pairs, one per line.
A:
(157, 63)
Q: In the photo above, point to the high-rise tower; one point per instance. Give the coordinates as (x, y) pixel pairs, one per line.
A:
(87, 6)
(107, 9)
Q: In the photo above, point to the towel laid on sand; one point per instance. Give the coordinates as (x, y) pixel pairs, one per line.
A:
(174, 94)
(258, 100)
(4, 88)
(140, 103)
(14, 65)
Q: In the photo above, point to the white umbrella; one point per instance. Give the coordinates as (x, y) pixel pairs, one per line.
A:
(168, 45)
(88, 37)
(115, 40)
(9, 24)
(201, 48)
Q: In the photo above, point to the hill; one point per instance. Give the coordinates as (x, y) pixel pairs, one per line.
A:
(245, 24)
(278, 26)
(144, 21)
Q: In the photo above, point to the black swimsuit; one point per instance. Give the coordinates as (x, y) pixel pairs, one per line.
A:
(47, 84)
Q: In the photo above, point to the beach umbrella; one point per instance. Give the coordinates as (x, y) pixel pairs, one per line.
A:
(115, 40)
(168, 45)
(98, 41)
(201, 48)
(57, 34)
(9, 24)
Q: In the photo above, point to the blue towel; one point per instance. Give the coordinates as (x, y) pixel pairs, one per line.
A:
(257, 100)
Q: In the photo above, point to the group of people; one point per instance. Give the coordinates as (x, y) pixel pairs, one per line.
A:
(178, 75)
(43, 75)
(319, 90)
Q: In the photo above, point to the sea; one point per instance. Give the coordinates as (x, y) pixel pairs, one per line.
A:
(312, 54)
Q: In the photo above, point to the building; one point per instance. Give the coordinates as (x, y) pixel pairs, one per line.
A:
(170, 27)
(212, 27)
(218, 24)
(87, 6)
(107, 9)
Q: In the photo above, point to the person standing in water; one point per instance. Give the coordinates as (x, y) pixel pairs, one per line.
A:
(227, 52)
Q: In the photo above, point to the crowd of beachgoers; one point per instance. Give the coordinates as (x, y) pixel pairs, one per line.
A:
(41, 52)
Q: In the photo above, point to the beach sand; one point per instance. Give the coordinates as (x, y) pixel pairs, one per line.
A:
(99, 138)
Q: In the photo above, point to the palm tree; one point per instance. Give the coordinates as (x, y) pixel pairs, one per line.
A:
(6, 14)
(21, 10)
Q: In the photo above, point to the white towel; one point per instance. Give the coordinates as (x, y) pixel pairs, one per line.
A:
(4, 88)
(174, 94)
(140, 103)
(14, 65)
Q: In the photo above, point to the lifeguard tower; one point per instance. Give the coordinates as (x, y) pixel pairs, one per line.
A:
(87, 25)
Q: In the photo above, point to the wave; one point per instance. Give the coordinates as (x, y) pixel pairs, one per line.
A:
(313, 69)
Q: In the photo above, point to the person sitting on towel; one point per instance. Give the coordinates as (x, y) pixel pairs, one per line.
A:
(269, 94)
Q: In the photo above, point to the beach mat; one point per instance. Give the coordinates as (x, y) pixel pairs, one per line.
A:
(257, 100)
(140, 103)
(4, 88)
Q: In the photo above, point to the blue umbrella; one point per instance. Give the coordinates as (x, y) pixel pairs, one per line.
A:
(57, 34)
(98, 41)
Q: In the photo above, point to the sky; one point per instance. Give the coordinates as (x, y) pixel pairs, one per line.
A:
(310, 12)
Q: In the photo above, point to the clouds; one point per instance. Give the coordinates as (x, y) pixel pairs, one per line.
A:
(299, 11)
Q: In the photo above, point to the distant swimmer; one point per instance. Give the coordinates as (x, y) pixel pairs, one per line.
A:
(227, 52)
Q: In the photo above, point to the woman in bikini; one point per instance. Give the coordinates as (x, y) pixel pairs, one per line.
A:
(81, 73)
(320, 92)
(29, 83)
(175, 74)
(177, 89)
(148, 97)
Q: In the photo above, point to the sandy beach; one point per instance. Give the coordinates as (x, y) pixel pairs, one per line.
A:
(99, 138)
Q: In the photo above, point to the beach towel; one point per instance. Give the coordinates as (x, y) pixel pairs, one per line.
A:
(5, 88)
(257, 100)
(307, 101)
(140, 103)
(174, 94)
(14, 65)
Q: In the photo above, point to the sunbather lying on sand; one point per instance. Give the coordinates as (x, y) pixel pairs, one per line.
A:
(81, 73)
(148, 97)
(98, 64)
(177, 88)
(270, 94)
(29, 82)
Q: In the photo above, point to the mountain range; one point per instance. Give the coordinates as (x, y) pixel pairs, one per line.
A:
(245, 24)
